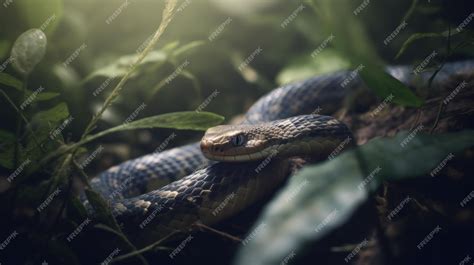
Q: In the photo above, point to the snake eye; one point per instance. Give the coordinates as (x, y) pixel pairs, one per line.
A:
(238, 140)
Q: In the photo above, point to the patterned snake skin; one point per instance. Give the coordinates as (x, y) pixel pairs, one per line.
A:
(206, 191)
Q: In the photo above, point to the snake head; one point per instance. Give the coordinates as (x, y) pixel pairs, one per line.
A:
(233, 143)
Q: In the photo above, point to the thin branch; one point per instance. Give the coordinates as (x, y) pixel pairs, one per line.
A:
(224, 234)
(125, 239)
(145, 249)
(168, 14)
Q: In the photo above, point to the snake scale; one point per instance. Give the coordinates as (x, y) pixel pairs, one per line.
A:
(280, 123)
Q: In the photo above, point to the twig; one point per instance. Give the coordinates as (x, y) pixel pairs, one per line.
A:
(168, 14)
(145, 249)
(82, 173)
(440, 109)
(224, 234)
(125, 239)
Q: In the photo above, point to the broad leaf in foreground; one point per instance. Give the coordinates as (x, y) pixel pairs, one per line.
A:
(186, 120)
(320, 198)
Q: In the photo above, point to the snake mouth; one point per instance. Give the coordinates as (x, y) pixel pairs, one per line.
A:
(268, 152)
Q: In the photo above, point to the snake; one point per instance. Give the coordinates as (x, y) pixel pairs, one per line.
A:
(234, 166)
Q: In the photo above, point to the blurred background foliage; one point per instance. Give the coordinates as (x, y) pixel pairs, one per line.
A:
(92, 43)
(211, 65)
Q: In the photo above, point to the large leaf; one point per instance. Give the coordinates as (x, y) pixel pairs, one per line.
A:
(186, 120)
(304, 67)
(385, 85)
(120, 67)
(43, 125)
(10, 81)
(321, 197)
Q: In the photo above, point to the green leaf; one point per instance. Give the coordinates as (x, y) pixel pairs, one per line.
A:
(186, 120)
(28, 50)
(46, 96)
(120, 67)
(385, 85)
(44, 14)
(7, 147)
(43, 124)
(303, 67)
(76, 210)
(321, 197)
(187, 47)
(415, 37)
(11, 81)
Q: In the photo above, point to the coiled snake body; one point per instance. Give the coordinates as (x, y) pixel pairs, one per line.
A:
(256, 153)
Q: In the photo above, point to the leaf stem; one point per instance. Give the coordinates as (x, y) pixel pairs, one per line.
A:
(168, 14)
